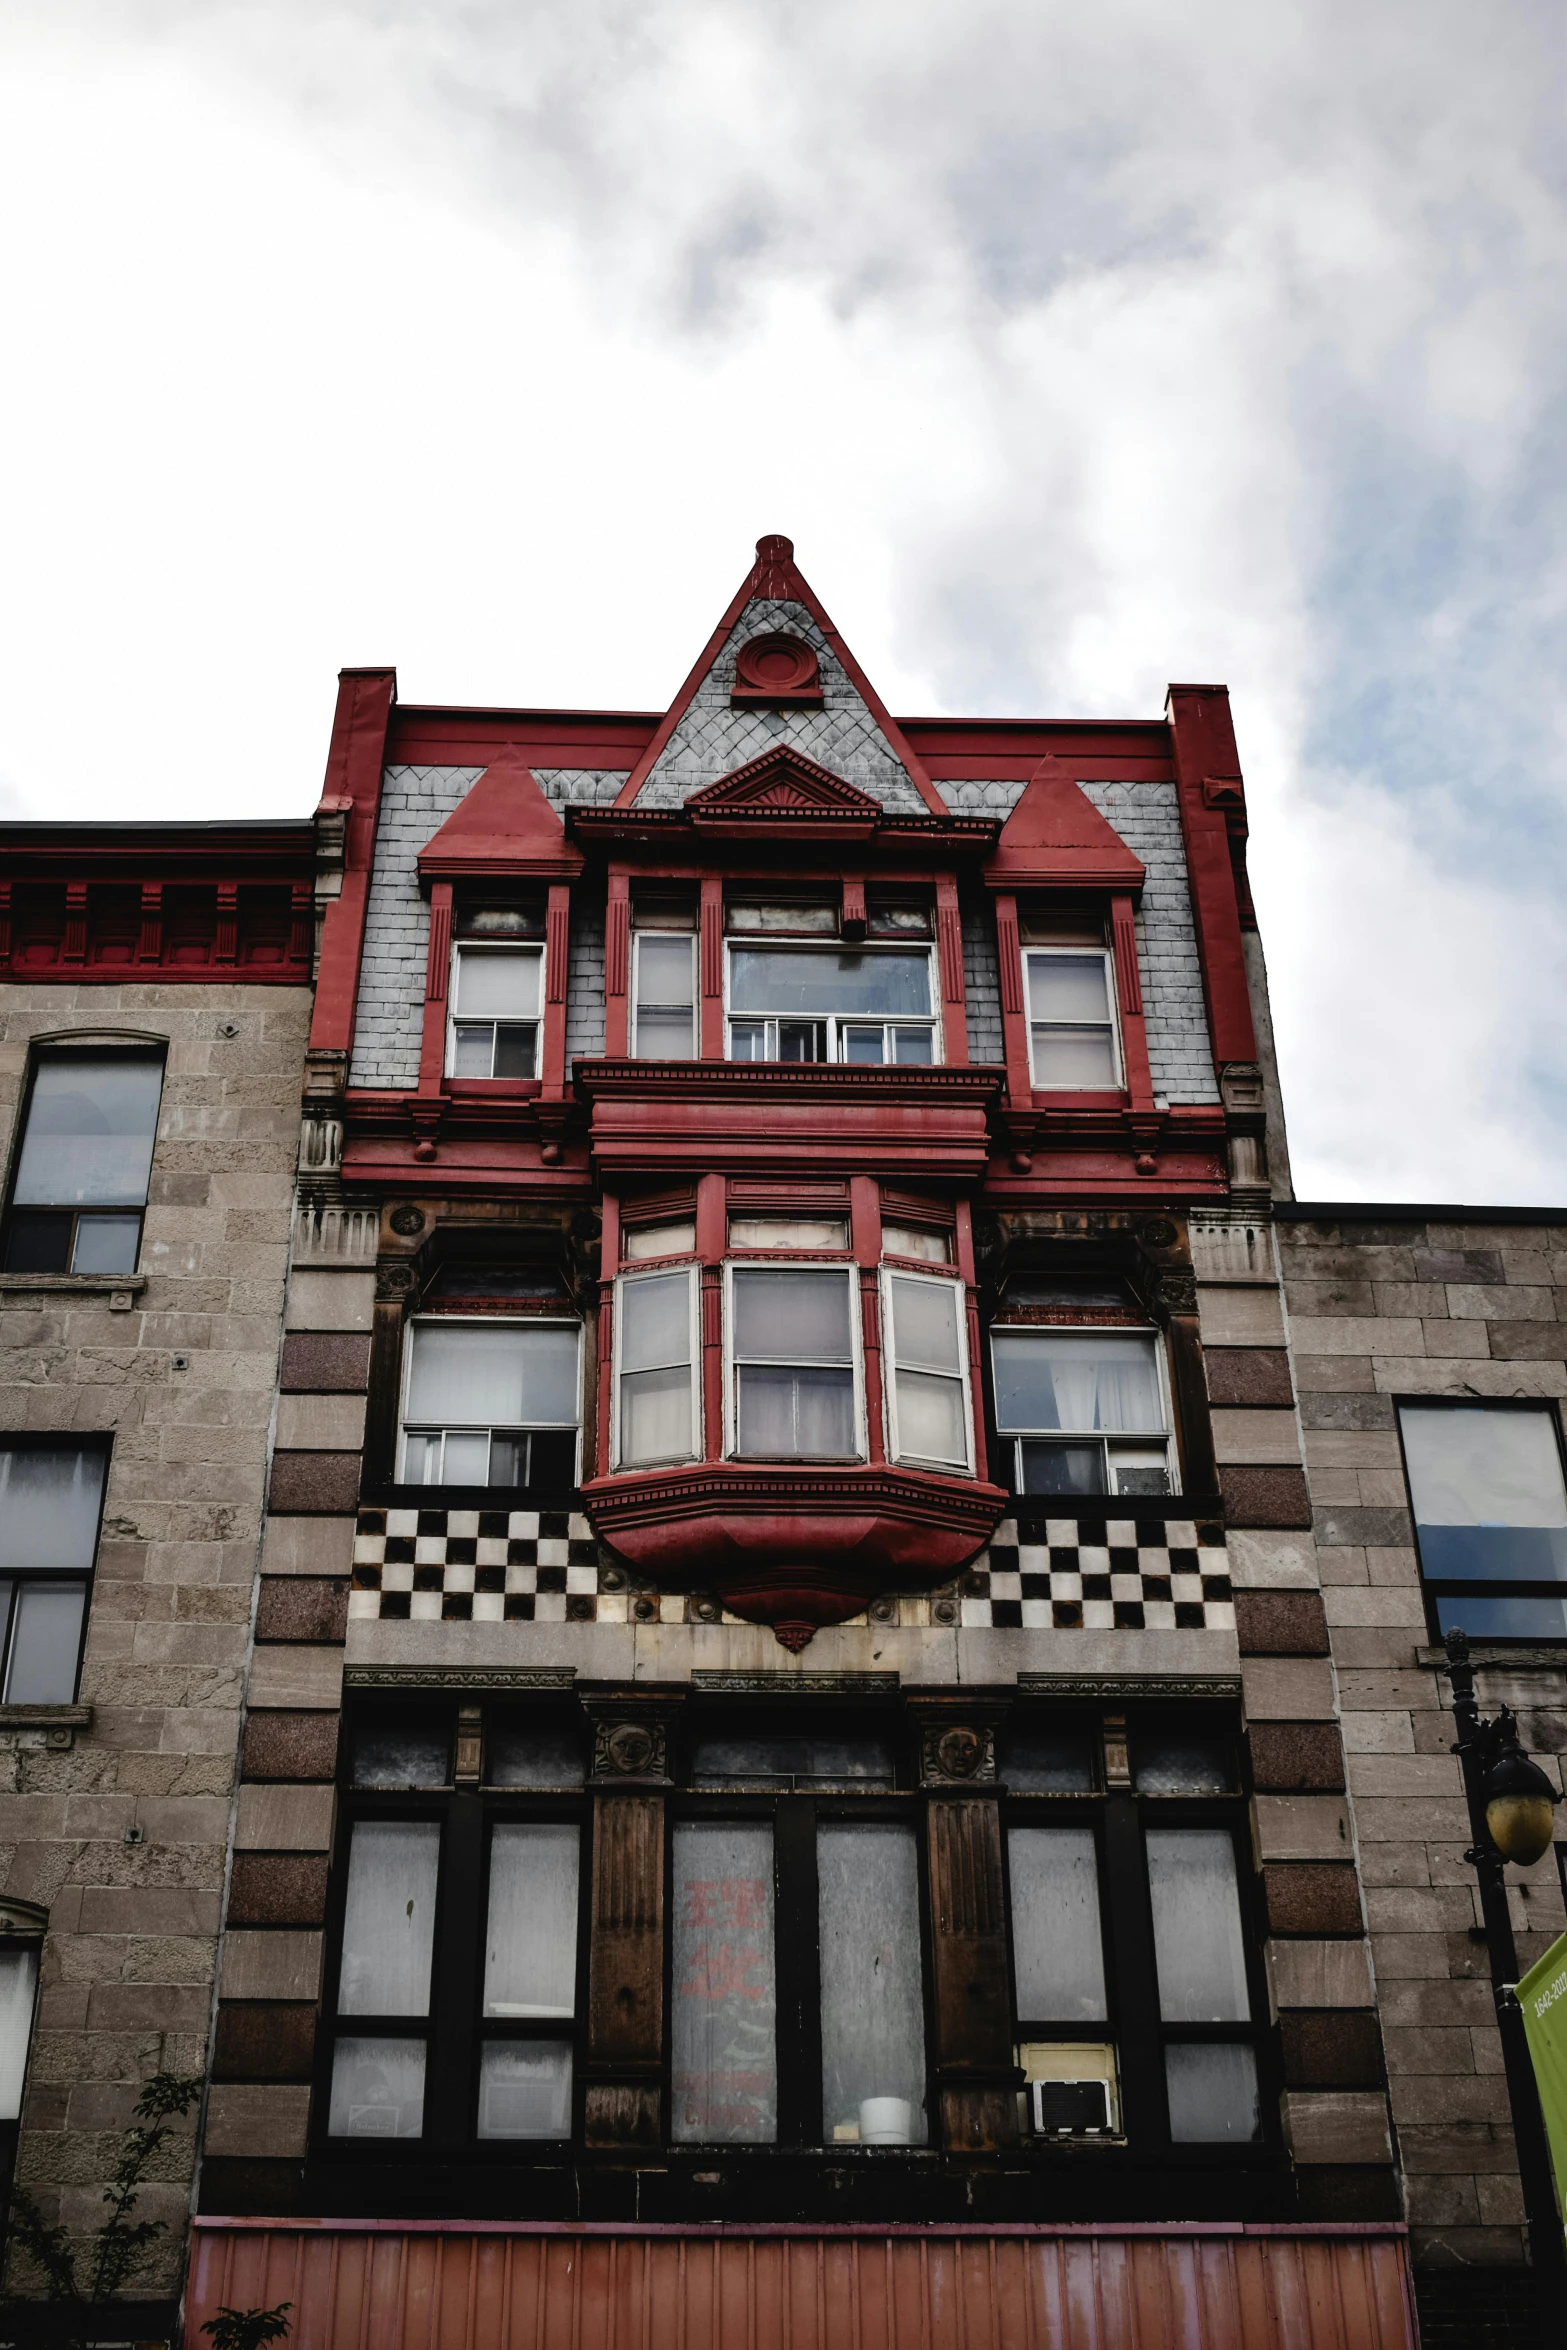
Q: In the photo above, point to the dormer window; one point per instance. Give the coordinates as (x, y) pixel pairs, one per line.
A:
(870, 1006)
(1069, 989)
(495, 1005)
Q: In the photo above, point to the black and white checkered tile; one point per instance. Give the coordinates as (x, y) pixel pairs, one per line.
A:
(1087, 1573)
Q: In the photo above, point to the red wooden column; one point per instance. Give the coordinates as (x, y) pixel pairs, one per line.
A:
(865, 1208)
(437, 981)
(1014, 1021)
(975, 2065)
(633, 1739)
(557, 934)
(949, 943)
(710, 970)
(617, 964)
(1129, 995)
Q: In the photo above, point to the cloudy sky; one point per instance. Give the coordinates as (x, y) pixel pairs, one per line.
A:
(1078, 348)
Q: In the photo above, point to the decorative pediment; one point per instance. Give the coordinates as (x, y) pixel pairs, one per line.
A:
(784, 787)
(505, 825)
(1055, 834)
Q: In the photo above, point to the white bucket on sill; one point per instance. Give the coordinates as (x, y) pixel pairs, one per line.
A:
(886, 2121)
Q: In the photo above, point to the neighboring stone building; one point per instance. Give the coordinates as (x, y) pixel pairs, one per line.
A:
(1430, 1346)
(154, 1005)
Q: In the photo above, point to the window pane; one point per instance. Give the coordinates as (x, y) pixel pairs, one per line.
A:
(792, 1316)
(106, 1244)
(655, 1322)
(1064, 1468)
(873, 2002)
(546, 1754)
(665, 967)
(1213, 2094)
(49, 1499)
(377, 2089)
(925, 1323)
(503, 1376)
(18, 1975)
(655, 1415)
(530, 1965)
(816, 981)
(796, 1412)
(416, 1755)
(862, 1047)
(90, 1131)
(1486, 1618)
(656, 1240)
(1198, 1943)
(38, 1241)
(931, 1422)
(664, 1036)
(753, 914)
(1067, 987)
(1046, 1759)
(1045, 1379)
(1057, 1945)
(787, 1232)
(525, 2089)
(1073, 1057)
(913, 1048)
(493, 986)
(465, 1460)
(1488, 1493)
(907, 1240)
(1179, 1762)
(515, 1051)
(725, 2063)
(785, 1758)
(389, 1920)
(45, 1643)
(473, 1052)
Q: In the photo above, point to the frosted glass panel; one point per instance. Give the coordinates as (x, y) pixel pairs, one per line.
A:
(725, 2063)
(530, 1962)
(793, 1316)
(497, 986)
(377, 2089)
(49, 1505)
(547, 1754)
(525, 2089)
(665, 969)
(90, 1131)
(1067, 987)
(873, 2005)
(1049, 1381)
(925, 1323)
(1213, 2094)
(417, 1754)
(1057, 1943)
(389, 1921)
(1198, 1943)
(18, 1976)
(505, 1376)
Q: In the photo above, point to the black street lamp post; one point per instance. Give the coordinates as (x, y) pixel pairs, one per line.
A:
(1510, 1818)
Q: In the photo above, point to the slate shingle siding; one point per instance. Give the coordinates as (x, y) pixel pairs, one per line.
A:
(712, 739)
(1147, 817)
(585, 980)
(415, 803)
(982, 986)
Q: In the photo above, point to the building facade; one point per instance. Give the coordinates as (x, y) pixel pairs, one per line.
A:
(154, 1006)
(791, 1685)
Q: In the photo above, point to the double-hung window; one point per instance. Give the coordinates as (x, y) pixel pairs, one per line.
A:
(491, 1403)
(663, 981)
(1082, 1411)
(926, 1351)
(413, 2053)
(495, 1008)
(794, 1368)
(820, 1001)
(1490, 1507)
(84, 1163)
(657, 1398)
(51, 1501)
(1069, 989)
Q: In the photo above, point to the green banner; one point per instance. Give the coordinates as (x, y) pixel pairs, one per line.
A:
(1542, 1994)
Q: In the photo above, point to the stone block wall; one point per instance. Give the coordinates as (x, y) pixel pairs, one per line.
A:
(119, 1829)
(1383, 1304)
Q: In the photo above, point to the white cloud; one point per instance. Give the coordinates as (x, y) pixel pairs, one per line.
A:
(1077, 349)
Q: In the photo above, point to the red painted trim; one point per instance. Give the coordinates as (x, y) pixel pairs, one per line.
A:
(355, 761)
(1203, 738)
(1128, 985)
(437, 981)
(710, 957)
(557, 931)
(1309, 2231)
(617, 962)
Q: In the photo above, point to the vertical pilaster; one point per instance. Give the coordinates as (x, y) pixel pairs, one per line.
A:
(976, 2073)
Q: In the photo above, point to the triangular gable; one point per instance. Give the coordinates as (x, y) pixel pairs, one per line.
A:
(705, 734)
(784, 786)
(504, 825)
(1056, 834)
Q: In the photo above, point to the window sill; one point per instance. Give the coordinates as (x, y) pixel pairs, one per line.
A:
(59, 1723)
(113, 1286)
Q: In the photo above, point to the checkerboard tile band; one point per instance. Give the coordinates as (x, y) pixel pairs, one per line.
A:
(532, 1566)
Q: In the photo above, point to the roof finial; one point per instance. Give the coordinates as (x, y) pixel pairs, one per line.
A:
(775, 548)
(774, 576)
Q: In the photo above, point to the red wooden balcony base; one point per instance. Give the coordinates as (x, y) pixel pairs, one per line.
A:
(794, 1548)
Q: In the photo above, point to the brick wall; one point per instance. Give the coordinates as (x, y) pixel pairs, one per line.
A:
(127, 1965)
(1380, 1306)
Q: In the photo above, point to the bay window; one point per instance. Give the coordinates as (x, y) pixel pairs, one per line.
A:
(495, 1011)
(794, 1363)
(1490, 1510)
(865, 1006)
(1082, 1411)
(926, 1351)
(657, 1409)
(51, 1500)
(490, 1403)
(84, 1164)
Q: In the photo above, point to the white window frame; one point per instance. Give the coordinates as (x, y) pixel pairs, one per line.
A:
(659, 1268)
(805, 1262)
(904, 1271)
(690, 937)
(1117, 1082)
(837, 1022)
(484, 947)
(473, 1427)
(1104, 1437)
